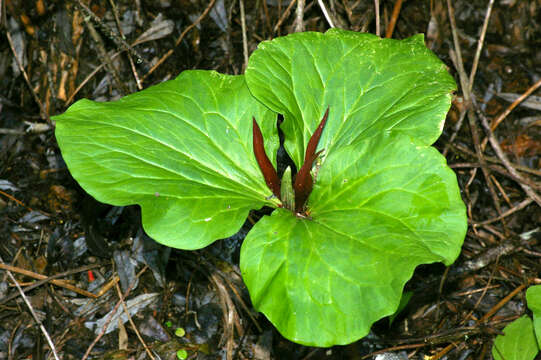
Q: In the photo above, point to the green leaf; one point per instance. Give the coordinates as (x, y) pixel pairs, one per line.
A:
(379, 208)
(180, 332)
(518, 341)
(182, 150)
(182, 354)
(533, 298)
(404, 300)
(371, 85)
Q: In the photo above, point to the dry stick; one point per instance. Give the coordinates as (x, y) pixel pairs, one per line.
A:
(299, 16)
(244, 37)
(42, 328)
(513, 210)
(119, 41)
(464, 81)
(515, 103)
(471, 118)
(101, 66)
(267, 18)
(127, 312)
(56, 282)
(119, 27)
(12, 198)
(376, 8)
(229, 314)
(501, 190)
(113, 312)
(284, 15)
(42, 111)
(472, 74)
(480, 45)
(49, 279)
(458, 57)
(510, 108)
(495, 160)
(105, 56)
(95, 71)
(502, 302)
(395, 348)
(179, 40)
(482, 296)
(394, 17)
(325, 13)
(444, 351)
(498, 150)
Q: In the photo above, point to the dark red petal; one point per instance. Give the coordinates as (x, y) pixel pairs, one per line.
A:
(314, 140)
(303, 181)
(268, 171)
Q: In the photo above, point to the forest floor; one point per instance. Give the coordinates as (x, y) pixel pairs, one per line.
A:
(78, 260)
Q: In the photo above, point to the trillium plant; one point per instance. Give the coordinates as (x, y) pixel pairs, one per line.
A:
(371, 199)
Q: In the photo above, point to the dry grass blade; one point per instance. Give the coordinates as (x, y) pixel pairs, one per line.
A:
(325, 13)
(36, 319)
(244, 37)
(299, 16)
(54, 281)
(127, 312)
(499, 152)
(42, 111)
(115, 309)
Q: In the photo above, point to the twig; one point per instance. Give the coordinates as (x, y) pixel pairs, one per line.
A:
(48, 279)
(230, 315)
(4, 131)
(514, 104)
(267, 17)
(443, 352)
(376, 8)
(43, 113)
(284, 15)
(179, 40)
(394, 17)
(111, 315)
(495, 160)
(19, 202)
(458, 57)
(502, 302)
(127, 312)
(36, 319)
(299, 16)
(105, 56)
(127, 46)
(325, 13)
(513, 210)
(244, 37)
(119, 41)
(482, 260)
(56, 282)
(499, 152)
(480, 45)
(483, 293)
(464, 81)
(98, 68)
(471, 80)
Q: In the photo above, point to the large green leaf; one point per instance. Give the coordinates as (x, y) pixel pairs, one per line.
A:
(533, 297)
(379, 208)
(182, 150)
(517, 343)
(371, 85)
